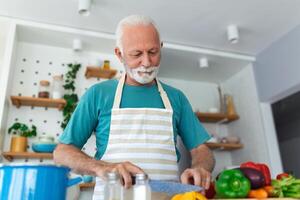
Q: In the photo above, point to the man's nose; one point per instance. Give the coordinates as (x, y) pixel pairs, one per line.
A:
(146, 60)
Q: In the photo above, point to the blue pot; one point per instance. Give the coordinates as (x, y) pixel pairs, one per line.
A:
(34, 182)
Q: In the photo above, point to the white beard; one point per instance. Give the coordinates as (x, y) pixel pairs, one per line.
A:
(142, 75)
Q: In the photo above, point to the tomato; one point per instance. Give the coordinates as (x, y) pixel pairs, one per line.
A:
(282, 175)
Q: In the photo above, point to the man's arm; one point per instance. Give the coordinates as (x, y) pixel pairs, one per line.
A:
(202, 157)
(203, 163)
(74, 158)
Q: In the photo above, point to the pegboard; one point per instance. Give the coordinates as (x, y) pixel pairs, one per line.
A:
(35, 62)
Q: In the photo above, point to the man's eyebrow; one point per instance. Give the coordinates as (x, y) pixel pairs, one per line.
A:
(134, 51)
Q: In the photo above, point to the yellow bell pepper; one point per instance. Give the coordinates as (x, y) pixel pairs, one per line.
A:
(189, 196)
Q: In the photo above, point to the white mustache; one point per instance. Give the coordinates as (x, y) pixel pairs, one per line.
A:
(144, 69)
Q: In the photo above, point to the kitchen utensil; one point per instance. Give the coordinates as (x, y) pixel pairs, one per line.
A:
(171, 187)
(19, 181)
(43, 147)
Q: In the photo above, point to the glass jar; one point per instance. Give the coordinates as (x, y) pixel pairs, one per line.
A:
(106, 64)
(141, 189)
(57, 87)
(44, 89)
(113, 188)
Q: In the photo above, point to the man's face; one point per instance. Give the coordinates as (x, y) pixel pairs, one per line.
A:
(141, 46)
(141, 53)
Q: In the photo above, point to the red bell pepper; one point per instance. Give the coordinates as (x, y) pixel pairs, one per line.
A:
(250, 165)
(263, 168)
(266, 172)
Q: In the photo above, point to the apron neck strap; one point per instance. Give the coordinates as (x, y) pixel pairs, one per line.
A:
(118, 95)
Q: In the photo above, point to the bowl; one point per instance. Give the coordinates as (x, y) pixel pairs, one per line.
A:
(87, 178)
(43, 147)
(46, 139)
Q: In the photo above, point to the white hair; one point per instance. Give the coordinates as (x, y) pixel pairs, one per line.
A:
(132, 20)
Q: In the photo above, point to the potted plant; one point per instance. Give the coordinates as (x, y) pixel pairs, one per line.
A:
(19, 142)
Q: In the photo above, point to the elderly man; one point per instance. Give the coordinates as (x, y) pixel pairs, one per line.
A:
(136, 120)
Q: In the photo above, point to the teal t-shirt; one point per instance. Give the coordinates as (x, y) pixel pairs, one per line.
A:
(93, 114)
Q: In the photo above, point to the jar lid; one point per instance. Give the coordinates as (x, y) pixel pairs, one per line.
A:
(58, 77)
(44, 83)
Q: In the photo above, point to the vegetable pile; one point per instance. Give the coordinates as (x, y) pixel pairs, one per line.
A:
(253, 180)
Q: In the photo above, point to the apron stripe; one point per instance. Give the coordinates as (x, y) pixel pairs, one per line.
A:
(141, 121)
(132, 141)
(140, 155)
(139, 127)
(141, 136)
(136, 132)
(134, 117)
(140, 150)
(141, 145)
(143, 160)
(143, 111)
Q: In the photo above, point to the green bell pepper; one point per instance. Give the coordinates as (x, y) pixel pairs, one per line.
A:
(232, 184)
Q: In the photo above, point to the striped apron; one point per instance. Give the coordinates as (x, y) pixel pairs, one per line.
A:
(142, 136)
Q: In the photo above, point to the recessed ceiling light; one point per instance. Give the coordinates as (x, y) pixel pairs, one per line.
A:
(233, 34)
(84, 7)
(203, 63)
(77, 45)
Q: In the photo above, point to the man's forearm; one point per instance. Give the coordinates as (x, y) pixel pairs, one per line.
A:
(75, 159)
(203, 157)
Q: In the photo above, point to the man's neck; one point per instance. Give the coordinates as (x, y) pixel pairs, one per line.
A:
(130, 81)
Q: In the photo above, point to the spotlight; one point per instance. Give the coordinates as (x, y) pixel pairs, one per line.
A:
(77, 45)
(233, 34)
(84, 7)
(203, 63)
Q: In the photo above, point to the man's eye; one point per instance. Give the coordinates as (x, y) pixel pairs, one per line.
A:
(153, 52)
(136, 55)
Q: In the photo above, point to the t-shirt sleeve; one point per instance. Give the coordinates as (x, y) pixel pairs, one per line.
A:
(83, 121)
(190, 129)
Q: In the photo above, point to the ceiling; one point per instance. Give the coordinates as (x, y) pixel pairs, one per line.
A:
(193, 24)
(199, 23)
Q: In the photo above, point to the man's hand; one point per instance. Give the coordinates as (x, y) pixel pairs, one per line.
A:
(125, 169)
(196, 176)
(79, 162)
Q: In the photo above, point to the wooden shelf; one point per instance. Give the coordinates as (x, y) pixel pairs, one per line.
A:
(216, 117)
(224, 146)
(11, 155)
(99, 73)
(84, 186)
(40, 102)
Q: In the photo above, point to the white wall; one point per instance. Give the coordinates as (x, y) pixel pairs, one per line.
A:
(277, 68)
(7, 46)
(4, 27)
(249, 127)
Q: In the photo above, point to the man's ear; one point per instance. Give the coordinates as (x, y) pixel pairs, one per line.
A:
(119, 54)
